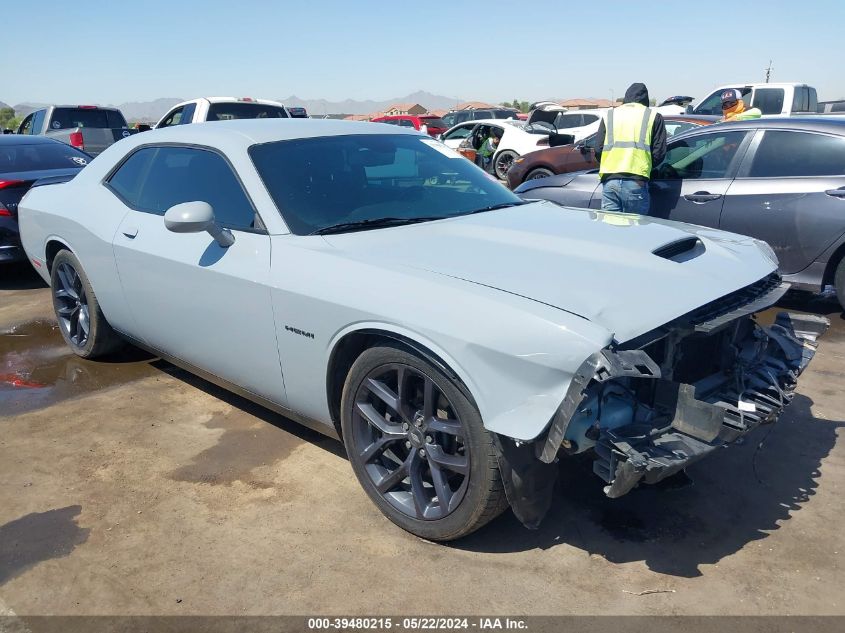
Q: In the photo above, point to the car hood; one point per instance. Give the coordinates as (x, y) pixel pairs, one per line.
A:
(599, 266)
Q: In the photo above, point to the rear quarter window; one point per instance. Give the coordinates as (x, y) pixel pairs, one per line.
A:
(783, 154)
(768, 100)
(127, 180)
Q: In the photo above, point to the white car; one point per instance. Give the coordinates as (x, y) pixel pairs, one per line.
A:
(222, 109)
(368, 282)
(515, 140)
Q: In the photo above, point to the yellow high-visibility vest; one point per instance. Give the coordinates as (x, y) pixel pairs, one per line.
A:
(627, 140)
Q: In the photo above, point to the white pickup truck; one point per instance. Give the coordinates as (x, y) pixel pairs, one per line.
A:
(775, 99)
(222, 109)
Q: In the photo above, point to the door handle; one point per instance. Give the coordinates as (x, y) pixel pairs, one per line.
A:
(836, 193)
(700, 197)
(130, 232)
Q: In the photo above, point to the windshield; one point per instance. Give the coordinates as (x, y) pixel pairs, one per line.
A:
(321, 182)
(230, 111)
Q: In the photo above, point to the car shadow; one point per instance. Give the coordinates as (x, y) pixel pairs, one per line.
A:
(811, 303)
(271, 417)
(19, 276)
(736, 496)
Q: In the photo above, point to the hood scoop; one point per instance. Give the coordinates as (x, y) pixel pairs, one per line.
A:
(681, 250)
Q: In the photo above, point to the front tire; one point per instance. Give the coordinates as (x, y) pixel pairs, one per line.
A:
(839, 282)
(502, 162)
(540, 172)
(418, 446)
(78, 312)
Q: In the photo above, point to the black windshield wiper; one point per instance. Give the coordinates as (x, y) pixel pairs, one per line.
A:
(503, 205)
(372, 223)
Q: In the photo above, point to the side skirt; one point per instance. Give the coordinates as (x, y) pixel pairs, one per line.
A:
(315, 425)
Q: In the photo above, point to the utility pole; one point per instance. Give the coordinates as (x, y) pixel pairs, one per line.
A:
(769, 71)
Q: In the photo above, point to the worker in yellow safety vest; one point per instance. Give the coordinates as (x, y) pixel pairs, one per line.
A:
(628, 144)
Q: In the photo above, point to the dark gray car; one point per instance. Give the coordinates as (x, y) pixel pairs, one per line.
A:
(779, 180)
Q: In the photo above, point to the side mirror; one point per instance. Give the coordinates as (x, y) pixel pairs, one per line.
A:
(196, 217)
(143, 127)
(688, 109)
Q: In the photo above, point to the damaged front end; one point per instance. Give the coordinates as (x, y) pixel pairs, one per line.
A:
(654, 405)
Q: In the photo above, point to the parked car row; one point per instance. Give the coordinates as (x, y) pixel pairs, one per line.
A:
(433, 125)
(578, 156)
(516, 139)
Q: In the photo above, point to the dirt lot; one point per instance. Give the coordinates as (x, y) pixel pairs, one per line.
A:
(131, 487)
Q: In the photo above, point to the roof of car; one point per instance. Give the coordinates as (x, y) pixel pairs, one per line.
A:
(253, 131)
(231, 100)
(25, 139)
(811, 122)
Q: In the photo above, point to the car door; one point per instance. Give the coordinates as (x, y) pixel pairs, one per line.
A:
(691, 182)
(790, 192)
(191, 297)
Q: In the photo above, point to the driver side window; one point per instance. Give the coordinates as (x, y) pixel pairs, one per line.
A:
(704, 156)
(154, 179)
(173, 118)
(713, 103)
(26, 126)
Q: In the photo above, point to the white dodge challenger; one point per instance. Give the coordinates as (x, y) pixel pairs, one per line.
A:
(369, 282)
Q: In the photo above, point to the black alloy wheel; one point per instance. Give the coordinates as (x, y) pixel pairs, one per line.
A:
(71, 305)
(410, 440)
(81, 321)
(503, 162)
(418, 446)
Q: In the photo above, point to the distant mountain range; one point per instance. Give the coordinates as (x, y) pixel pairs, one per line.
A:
(154, 110)
(317, 107)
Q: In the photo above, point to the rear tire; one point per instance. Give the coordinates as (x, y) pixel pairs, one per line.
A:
(418, 446)
(78, 312)
(502, 163)
(839, 282)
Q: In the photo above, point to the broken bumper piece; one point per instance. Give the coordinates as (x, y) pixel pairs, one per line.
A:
(667, 423)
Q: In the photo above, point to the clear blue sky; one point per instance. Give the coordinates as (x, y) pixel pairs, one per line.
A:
(528, 49)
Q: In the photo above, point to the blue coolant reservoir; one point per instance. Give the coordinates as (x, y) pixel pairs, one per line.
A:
(615, 409)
